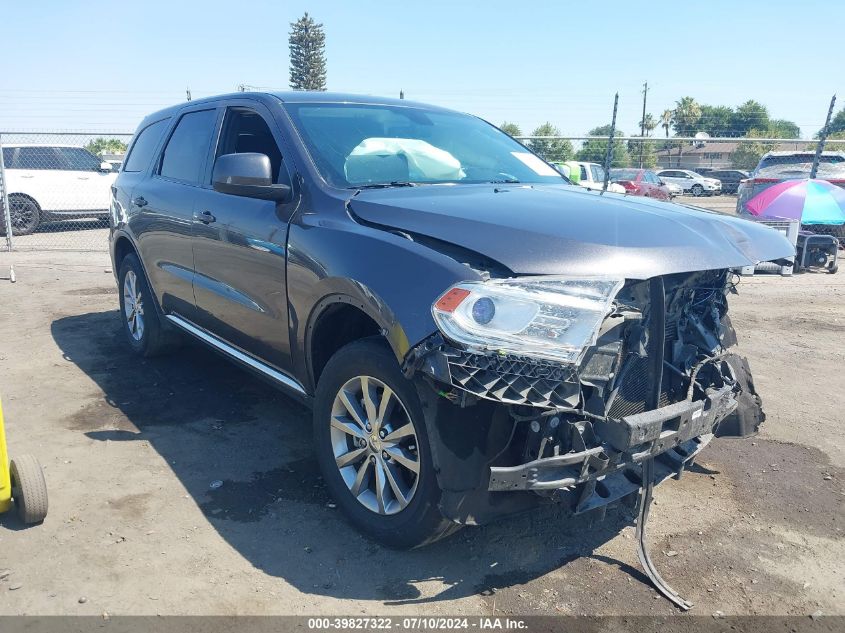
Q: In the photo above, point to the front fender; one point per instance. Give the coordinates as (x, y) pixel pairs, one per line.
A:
(391, 278)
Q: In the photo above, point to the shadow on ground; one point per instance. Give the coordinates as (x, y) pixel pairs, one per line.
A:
(213, 422)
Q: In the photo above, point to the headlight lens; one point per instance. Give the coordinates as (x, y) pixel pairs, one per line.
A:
(551, 318)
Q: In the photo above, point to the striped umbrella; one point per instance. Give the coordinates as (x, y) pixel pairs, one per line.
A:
(810, 201)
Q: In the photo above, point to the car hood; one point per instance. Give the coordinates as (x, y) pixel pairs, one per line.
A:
(566, 230)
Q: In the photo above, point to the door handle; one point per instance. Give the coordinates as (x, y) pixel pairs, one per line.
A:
(82, 177)
(27, 175)
(140, 201)
(205, 217)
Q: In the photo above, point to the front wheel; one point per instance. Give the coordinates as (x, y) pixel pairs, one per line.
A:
(24, 215)
(697, 190)
(373, 450)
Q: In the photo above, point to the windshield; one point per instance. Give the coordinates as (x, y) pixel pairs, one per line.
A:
(355, 145)
(799, 166)
(624, 174)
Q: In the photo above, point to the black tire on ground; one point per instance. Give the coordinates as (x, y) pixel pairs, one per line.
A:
(833, 269)
(24, 213)
(153, 337)
(420, 522)
(697, 190)
(29, 489)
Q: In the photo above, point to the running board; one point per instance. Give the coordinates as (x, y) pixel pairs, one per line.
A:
(233, 352)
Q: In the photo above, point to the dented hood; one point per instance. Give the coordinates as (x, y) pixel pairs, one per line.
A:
(564, 230)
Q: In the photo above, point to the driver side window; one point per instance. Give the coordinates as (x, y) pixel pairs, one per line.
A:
(244, 131)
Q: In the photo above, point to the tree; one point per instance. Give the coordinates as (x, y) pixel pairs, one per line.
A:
(685, 116)
(511, 129)
(595, 150)
(649, 153)
(648, 124)
(716, 120)
(307, 54)
(751, 115)
(100, 146)
(557, 150)
(837, 123)
(784, 129)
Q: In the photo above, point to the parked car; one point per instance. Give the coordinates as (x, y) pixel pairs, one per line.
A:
(691, 182)
(54, 182)
(475, 336)
(775, 167)
(730, 178)
(640, 182)
(587, 175)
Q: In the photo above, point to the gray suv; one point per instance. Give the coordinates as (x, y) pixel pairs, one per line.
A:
(475, 335)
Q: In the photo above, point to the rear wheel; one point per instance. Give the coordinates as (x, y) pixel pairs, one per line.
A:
(697, 190)
(24, 213)
(373, 448)
(142, 324)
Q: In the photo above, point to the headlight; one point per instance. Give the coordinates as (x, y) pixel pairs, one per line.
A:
(552, 318)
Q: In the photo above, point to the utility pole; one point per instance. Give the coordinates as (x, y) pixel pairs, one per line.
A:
(608, 157)
(822, 138)
(642, 124)
(401, 94)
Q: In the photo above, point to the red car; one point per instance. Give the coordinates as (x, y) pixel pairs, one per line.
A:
(640, 182)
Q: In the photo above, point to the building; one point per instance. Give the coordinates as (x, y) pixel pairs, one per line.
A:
(709, 154)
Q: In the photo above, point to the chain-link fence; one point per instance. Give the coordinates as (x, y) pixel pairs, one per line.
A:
(55, 188)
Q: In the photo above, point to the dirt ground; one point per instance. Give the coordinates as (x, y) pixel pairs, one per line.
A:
(130, 448)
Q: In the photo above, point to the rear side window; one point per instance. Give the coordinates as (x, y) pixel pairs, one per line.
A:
(38, 158)
(77, 159)
(142, 149)
(186, 152)
(10, 157)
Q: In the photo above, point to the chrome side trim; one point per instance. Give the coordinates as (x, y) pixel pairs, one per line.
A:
(237, 354)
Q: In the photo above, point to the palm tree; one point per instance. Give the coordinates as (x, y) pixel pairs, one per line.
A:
(665, 122)
(648, 124)
(685, 117)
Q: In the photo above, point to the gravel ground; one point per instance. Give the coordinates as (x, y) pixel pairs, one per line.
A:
(130, 448)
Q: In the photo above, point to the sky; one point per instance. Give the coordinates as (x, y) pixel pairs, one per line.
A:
(73, 65)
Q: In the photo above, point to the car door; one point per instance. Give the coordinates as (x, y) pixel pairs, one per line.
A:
(38, 172)
(162, 207)
(240, 243)
(92, 185)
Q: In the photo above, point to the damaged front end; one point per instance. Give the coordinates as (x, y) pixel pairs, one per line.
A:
(656, 381)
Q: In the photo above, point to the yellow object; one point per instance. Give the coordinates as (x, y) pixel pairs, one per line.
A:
(5, 480)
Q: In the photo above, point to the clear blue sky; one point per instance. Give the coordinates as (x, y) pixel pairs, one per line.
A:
(69, 64)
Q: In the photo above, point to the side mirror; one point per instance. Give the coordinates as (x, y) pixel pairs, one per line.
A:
(248, 175)
(104, 166)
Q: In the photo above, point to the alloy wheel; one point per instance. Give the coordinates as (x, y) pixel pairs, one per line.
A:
(133, 306)
(375, 447)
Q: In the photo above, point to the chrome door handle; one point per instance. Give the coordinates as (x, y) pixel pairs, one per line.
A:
(205, 217)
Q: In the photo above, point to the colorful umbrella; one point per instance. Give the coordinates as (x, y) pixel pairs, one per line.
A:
(810, 201)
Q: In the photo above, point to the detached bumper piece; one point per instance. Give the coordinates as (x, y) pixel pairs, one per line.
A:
(676, 433)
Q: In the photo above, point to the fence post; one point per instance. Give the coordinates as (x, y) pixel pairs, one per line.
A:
(608, 158)
(822, 139)
(4, 200)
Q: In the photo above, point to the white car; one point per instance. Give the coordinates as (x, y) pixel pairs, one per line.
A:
(691, 182)
(587, 175)
(54, 182)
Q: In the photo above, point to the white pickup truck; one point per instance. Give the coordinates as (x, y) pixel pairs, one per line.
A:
(587, 175)
(46, 183)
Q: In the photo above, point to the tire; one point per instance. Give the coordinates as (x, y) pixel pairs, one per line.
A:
(697, 190)
(382, 518)
(24, 213)
(146, 333)
(833, 269)
(29, 489)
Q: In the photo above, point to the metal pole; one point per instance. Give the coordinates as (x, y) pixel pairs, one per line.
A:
(822, 138)
(608, 158)
(4, 198)
(642, 124)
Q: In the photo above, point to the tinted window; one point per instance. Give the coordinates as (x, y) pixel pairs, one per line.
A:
(583, 172)
(598, 172)
(9, 157)
(142, 149)
(77, 159)
(245, 131)
(186, 151)
(38, 158)
(624, 174)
